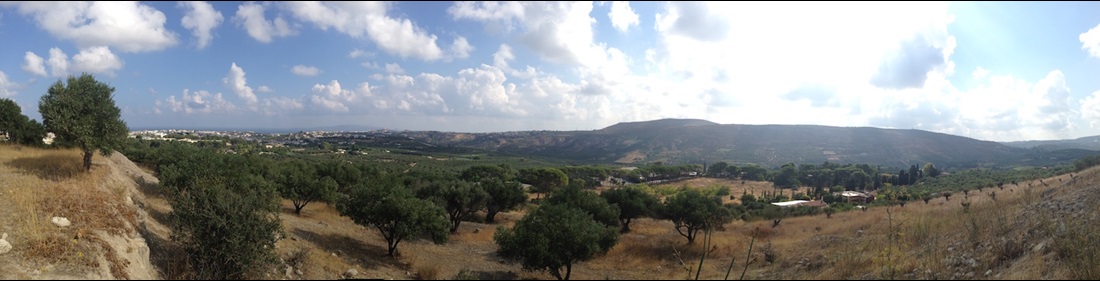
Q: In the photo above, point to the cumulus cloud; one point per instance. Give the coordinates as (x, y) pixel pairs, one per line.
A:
(357, 53)
(1090, 41)
(622, 16)
(302, 70)
(333, 97)
(1090, 109)
(251, 16)
(694, 20)
(909, 66)
(236, 82)
(487, 10)
(99, 60)
(201, 18)
(461, 48)
(397, 36)
(126, 26)
(394, 68)
(34, 64)
(59, 62)
(197, 102)
(281, 105)
(7, 88)
(264, 89)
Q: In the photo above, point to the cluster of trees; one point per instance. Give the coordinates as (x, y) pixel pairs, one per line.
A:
(18, 127)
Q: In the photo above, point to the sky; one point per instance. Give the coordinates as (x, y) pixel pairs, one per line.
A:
(1000, 71)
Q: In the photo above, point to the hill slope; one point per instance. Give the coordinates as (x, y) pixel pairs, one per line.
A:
(683, 141)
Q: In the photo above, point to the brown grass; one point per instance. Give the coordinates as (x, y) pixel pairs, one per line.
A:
(51, 183)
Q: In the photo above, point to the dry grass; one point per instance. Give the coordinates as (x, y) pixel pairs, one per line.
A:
(51, 183)
(425, 268)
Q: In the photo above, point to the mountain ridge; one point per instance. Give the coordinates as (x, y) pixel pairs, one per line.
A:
(696, 141)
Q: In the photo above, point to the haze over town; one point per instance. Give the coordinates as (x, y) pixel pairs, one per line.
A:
(1001, 71)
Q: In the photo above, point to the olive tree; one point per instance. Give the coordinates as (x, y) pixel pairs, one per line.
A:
(691, 211)
(392, 208)
(553, 237)
(299, 181)
(19, 128)
(632, 202)
(224, 215)
(82, 113)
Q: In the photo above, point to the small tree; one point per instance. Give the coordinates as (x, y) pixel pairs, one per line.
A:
(575, 196)
(829, 211)
(224, 215)
(926, 197)
(395, 212)
(503, 196)
(946, 195)
(691, 211)
(545, 180)
(633, 203)
(298, 181)
(20, 129)
(459, 199)
(554, 237)
(83, 114)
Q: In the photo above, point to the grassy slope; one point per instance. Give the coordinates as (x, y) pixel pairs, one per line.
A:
(1043, 232)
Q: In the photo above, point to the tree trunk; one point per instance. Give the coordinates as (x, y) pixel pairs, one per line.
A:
(491, 215)
(568, 270)
(626, 226)
(88, 159)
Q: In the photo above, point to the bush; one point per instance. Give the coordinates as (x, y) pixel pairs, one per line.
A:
(227, 222)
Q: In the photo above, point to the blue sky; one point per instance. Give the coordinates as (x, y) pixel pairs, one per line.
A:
(1001, 71)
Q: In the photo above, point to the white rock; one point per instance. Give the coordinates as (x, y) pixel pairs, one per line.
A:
(5, 247)
(60, 221)
(129, 201)
(351, 273)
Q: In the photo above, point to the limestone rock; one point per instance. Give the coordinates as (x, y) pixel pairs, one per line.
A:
(5, 247)
(60, 221)
(351, 273)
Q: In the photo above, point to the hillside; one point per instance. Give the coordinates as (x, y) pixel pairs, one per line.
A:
(1087, 143)
(1033, 230)
(683, 141)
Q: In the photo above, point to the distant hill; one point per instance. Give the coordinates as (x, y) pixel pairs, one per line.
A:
(683, 141)
(1089, 143)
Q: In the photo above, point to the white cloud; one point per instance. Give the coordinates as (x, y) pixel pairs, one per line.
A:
(264, 89)
(357, 53)
(622, 16)
(302, 70)
(236, 82)
(398, 36)
(461, 48)
(394, 68)
(980, 73)
(197, 102)
(7, 88)
(281, 105)
(1090, 41)
(1090, 109)
(59, 62)
(96, 60)
(251, 16)
(201, 19)
(126, 26)
(693, 19)
(334, 98)
(487, 10)
(34, 64)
